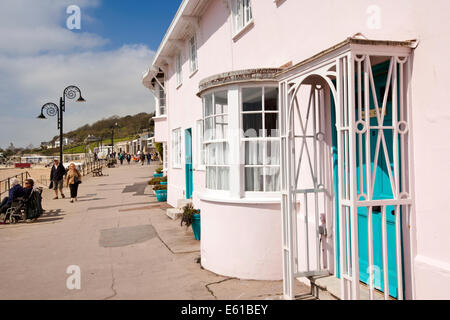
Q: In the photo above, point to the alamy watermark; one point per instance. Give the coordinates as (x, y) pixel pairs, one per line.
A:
(374, 17)
(73, 22)
(73, 282)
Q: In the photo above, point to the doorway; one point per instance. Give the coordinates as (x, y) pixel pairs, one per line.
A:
(188, 163)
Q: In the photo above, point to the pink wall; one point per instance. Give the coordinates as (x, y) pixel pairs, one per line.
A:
(296, 30)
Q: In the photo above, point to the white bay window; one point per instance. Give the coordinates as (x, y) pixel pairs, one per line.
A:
(242, 140)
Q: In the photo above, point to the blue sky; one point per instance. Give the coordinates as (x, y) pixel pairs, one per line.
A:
(40, 56)
(132, 21)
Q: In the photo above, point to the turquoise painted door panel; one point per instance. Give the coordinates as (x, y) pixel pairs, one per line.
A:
(188, 163)
(382, 190)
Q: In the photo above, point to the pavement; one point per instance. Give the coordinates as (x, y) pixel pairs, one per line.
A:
(114, 243)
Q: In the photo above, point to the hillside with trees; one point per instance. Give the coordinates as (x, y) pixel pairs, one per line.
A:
(128, 127)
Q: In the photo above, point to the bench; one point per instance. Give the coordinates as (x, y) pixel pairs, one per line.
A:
(97, 172)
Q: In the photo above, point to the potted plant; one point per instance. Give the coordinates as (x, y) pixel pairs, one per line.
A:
(191, 217)
(158, 173)
(163, 181)
(161, 192)
(155, 181)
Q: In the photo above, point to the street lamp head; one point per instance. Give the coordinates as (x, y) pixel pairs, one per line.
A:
(41, 116)
(81, 99)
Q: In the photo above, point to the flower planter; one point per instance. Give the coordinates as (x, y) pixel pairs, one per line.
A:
(196, 226)
(161, 195)
(157, 175)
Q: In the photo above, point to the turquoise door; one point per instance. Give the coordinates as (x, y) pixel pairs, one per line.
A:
(188, 163)
(382, 190)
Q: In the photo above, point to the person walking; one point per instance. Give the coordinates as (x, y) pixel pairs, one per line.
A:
(149, 158)
(121, 157)
(73, 180)
(57, 178)
(142, 158)
(128, 158)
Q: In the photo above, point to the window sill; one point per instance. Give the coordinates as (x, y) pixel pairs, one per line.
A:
(241, 32)
(193, 73)
(200, 169)
(178, 168)
(220, 197)
(160, 117)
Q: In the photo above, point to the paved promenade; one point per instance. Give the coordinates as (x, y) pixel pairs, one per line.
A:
(123, 243)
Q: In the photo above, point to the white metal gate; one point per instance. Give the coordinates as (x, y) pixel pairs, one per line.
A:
(307, 192)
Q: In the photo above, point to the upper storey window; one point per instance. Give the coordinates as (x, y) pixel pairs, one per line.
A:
(178, 67)
(242, 14)
(193, 54)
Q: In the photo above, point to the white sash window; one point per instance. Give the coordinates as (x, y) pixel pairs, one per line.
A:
(176, 148)
(261, 138)
(178, 66)
(242, 14)
(193, 54)
(215, 115)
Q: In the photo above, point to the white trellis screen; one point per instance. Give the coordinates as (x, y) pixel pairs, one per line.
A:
(346, 82)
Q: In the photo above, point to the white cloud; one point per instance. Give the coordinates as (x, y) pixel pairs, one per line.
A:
(40, 60)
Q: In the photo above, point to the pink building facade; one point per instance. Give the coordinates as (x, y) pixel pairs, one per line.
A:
(310, 149)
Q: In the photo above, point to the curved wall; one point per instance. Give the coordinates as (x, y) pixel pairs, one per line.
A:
(242, 240)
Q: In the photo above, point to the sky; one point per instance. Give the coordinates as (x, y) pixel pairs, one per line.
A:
(106, 58)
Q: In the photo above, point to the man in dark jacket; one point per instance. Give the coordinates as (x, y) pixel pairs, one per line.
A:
(57, 177)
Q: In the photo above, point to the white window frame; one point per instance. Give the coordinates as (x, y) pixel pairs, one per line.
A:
(200, 147)
(242, 14)
(193, 57)
(176, 148)
(215, 115)
(161, 100)
(179, 69)
(261, 139)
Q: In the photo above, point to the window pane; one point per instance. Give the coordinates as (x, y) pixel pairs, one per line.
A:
(273, 153)
(221, 101)
(252, 125)
(211, 178)
(271, 123)
(271, 99)
(211, 154)
(221, 127)
(209, 129)
(207, 100)
(254, 179)
(223, 174)
(222, 153)
(251, 99)
(272, 179)
(254, 152)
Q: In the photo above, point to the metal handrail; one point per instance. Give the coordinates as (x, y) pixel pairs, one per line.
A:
(5, 184)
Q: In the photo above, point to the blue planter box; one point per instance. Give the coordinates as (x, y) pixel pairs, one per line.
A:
(157, 175)
(196, 226)
(161, 195)
(163, 183)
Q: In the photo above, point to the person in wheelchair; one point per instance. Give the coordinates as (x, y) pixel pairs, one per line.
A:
(28, 207)
(16, 191)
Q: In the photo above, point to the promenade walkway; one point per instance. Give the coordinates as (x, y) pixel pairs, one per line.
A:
(123, 243)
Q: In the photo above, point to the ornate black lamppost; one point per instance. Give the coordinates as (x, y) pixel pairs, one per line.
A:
(52, 110)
